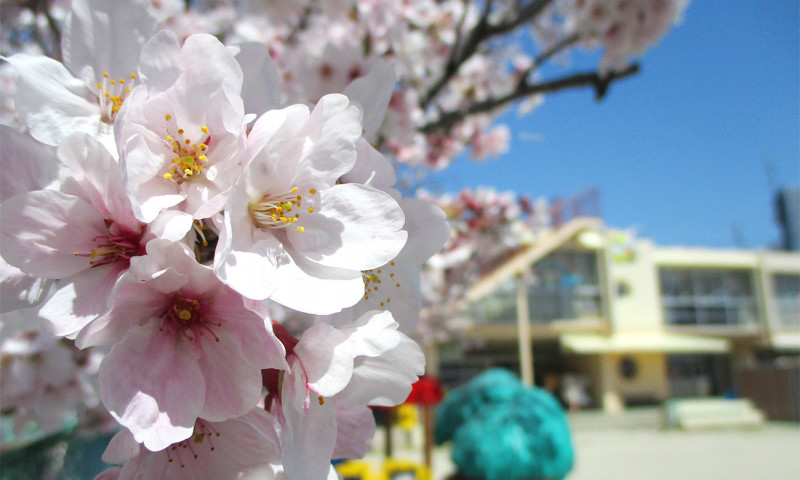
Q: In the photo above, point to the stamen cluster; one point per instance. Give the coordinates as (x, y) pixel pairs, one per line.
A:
(187, 317)
(112, 95)
(203, 433)
(189, 156)
(279, 211)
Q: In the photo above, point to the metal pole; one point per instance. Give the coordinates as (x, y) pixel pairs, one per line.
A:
(524, 333)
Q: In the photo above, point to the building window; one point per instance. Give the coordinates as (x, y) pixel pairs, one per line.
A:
(716, 297)
(787, 298)
(564, 285)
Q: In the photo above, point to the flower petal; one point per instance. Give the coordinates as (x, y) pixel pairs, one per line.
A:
(19, 290)
(326, 359)
(355, 427)
(121, 448)
(312, 288)
(357, 227)
(43, 229)
(105, 37)
(26, 164)
(371, 94)
(385, 380)
(50, 101)
(329, 137)
(261, 78)
(153, 387)
(233, 383)
(93, 174)
(307, 440)
(81, 298)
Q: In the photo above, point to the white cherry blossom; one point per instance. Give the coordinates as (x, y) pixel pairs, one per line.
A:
(290, 229)
(181, 129)
(101, 44)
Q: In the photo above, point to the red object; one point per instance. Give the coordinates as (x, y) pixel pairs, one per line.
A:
(426, 391)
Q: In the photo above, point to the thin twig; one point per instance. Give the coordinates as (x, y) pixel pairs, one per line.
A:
(460, 53)
(600, 84)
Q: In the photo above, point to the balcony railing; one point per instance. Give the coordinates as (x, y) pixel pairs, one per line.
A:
(710, 311)
(545, 304)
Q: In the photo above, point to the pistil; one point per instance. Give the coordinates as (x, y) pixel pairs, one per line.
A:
(189, 157)
(187, 318)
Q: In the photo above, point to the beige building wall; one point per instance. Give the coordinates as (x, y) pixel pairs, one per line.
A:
(781, 336)
(610, 390)
(634, 303)
(650, 381)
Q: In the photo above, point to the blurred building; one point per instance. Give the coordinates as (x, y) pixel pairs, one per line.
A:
(787, 208)
(614, 321)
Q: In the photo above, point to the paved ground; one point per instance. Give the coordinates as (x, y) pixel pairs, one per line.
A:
(769, 452)
(635, 447)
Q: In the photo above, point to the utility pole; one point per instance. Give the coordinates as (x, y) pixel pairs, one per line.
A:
(524, 332)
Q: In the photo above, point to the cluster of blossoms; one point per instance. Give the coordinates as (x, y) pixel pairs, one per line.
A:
(159, 199)
(623, 28)
(217, 216)
(486, 227)
(458, 64)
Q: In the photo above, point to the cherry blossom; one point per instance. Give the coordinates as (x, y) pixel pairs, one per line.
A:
(237, 448)
(101, 44)
(289, 228)
(181, 129)
(395, 285)
(45, 379)
(83, 234)
(204, 348)
(162, 192)
(334, 373)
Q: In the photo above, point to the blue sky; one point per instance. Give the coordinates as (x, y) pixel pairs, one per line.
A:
(679, 150)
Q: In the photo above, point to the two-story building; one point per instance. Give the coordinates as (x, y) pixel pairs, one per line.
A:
(606, 320)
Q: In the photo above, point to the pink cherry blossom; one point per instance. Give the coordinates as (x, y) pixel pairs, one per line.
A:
(240, 447)
(83, 235)
(184, 347)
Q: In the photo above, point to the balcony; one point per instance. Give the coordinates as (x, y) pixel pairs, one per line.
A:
(546, 305)
(717, 299)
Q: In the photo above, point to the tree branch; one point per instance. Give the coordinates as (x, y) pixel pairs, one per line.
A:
(600, 84)
(526, 13)
(482, 32)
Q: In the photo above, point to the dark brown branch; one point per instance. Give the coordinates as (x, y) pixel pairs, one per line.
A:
(598, 82)
(547, 54)
(459, 54)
